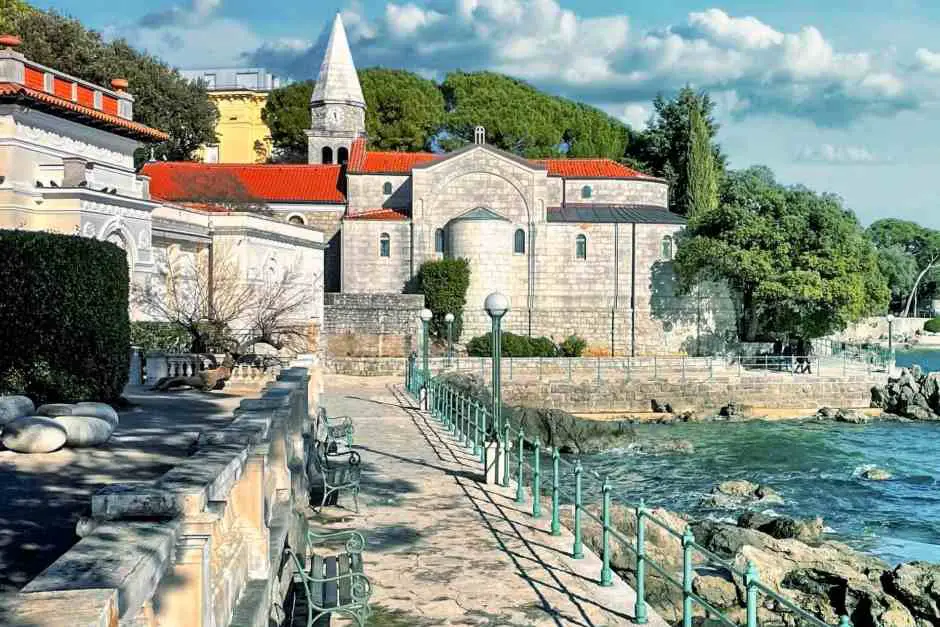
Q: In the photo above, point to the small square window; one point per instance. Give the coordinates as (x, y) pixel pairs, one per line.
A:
(385, 246)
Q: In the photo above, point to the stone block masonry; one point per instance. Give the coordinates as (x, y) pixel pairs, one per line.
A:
(371, 325)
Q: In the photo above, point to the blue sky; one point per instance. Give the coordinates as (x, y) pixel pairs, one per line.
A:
(840, 96)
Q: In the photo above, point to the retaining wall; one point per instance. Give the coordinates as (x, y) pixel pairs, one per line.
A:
(371, 325)
(201, 546)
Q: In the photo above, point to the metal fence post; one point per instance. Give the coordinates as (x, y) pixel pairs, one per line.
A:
(477, 435)
(537, 479)
(505, 449)
(607, 577)
(639, 609)
(687, 540)
(577, 552)
(750, 580)
(556, 523)
(520, 497)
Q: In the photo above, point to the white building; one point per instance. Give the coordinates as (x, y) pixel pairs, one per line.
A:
(67, 166)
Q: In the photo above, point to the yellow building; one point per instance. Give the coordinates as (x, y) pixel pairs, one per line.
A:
(240, 95)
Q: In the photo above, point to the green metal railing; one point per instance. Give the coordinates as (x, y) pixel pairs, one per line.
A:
(468, 420)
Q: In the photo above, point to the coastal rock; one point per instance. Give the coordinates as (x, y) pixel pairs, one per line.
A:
(912, 394)
(783, 527)
(13, 407)
(667, 446)
(825, 412)
(716, 587)
(875, 474)
(740, 493)
(728, 410)
(33, 434)
(853, 416)
(917, 585)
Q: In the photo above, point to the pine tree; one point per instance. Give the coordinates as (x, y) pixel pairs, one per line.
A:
(701, 193)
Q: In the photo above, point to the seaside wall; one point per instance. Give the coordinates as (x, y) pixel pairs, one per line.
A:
(371, 325)
(699, 396)
(202, 545)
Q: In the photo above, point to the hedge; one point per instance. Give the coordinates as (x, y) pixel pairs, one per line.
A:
(160, 336)
(932, 325)
(444, 283)
(512, 345)
(63, 309)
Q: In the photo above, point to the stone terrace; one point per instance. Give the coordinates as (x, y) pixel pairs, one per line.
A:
(444, 548)
(44, 495)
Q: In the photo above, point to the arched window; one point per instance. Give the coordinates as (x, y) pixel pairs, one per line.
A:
(580, 247)
(439, 241)
(342, 155)
(295, 219)
(586, 191)
(387, 188)
(327, 154)
(385, 245)
(667, 248)
(518, 242)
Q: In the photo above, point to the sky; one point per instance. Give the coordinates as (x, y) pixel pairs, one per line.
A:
(842, 96)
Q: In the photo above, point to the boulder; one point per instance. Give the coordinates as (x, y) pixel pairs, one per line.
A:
(716, 587)
(875, 474)
(853, 416)
(825, 412)
(13, 407)
(917, 585)
(82, 431)
(54, 409)
(34, 434)
(783, 527)
(741, 493)
(98, 410)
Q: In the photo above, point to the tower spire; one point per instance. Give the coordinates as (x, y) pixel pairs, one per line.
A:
(338, 81)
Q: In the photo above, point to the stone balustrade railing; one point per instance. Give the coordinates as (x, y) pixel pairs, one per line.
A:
(202, 545)
(160, 364)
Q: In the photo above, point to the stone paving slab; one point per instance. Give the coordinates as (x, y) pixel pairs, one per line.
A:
(446, 549)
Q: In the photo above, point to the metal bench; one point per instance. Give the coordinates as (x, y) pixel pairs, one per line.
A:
(338, 437)
(335, 472)
(333, 583)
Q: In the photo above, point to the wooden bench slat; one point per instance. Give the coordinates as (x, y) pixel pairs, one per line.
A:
(356, 563)
(316, 572)
(345, 583)
(330, 588)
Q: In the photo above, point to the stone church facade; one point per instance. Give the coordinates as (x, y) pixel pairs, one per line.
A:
(579, 245)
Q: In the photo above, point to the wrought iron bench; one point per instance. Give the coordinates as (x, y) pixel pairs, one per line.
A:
(338, 437)
(335, 472)
(333, 583)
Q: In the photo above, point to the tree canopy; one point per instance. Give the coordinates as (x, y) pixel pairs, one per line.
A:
(405, 110)
(287, 114)
(797, 261)
(163, 99)
(702, 189)
(663, 148)
(906, 251)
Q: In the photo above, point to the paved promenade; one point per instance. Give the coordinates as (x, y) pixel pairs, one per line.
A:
(446, 549)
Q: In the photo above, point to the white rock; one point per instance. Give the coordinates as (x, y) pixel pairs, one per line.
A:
(33, 434)
(85, 430)
(13, 407)
(54, 409)
(98, 410)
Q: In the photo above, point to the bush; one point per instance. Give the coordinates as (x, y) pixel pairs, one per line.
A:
(444, 284)
(572, 346)
(932, 325)
(159, 336)
(512, 345)
(63, 307)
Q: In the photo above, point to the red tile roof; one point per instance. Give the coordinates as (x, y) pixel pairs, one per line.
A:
(379, 214)
(362, 161)
(112, 122)
(226, 182)
(588, 168)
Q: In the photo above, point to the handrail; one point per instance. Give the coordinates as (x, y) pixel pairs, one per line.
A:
(467, 419)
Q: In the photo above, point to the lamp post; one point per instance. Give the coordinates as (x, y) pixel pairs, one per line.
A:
(426, 316)
(496, 306)
(449, 319)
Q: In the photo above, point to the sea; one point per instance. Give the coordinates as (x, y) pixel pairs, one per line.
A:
(815, 466)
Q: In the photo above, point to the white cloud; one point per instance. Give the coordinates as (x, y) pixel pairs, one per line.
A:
(927, 60)
(842, 155)
(406, 20)
(744, 32)
(636, 115)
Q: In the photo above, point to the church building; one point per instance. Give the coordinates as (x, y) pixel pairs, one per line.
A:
(579, 245)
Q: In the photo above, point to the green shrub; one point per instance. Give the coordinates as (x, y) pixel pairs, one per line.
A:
(159, 336)
(512, 345)
(444, 283)
(63, 309)
(932, 325)
(572, 346)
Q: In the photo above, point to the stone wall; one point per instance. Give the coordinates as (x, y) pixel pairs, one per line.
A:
(201, 546)
(782, 392)
(616, 191)
(365, 270)
(371, 325)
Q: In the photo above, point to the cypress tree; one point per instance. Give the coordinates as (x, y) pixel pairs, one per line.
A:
(701, 192)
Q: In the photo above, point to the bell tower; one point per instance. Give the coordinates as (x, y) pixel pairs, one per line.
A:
(337, 107)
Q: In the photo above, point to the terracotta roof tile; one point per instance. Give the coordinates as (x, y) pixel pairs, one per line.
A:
(224, 182)
(91, 116)
(588, 168)
(380, 214)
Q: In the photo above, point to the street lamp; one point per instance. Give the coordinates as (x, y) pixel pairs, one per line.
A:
(496, 306)
(426, 316)
(449, 319)
(890, 335)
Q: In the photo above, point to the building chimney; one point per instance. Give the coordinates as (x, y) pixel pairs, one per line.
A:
(10, 41)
